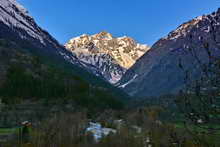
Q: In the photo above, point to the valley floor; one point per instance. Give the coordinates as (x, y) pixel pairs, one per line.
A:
(142, 127)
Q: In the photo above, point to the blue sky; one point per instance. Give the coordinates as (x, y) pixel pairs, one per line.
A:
(144, 20)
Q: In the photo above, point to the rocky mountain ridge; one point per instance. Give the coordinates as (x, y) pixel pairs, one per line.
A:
(110, 55)
(16, 17)
(190, 46)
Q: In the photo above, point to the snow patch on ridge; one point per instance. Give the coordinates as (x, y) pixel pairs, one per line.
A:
(124, 85)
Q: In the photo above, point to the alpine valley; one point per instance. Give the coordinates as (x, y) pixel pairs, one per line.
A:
(102, 90)
(137, 69)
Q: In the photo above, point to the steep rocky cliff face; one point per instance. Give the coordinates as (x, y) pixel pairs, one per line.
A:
(109, 55)
(163, 68)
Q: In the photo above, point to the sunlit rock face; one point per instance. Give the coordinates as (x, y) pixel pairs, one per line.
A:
(159, 72)
(110, 55)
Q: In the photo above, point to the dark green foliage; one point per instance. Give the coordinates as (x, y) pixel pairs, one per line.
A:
(3, 42)
(37, 81)
(22, 84)
(53, 85)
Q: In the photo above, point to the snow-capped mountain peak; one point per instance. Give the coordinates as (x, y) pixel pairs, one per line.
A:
(124, 50)
(102, 48)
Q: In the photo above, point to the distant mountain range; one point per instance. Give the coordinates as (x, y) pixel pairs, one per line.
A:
(107, 54)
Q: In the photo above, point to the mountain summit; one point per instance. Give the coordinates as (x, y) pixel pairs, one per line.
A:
(110, 55)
